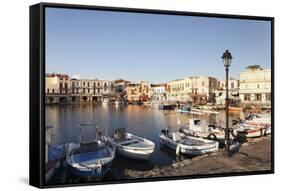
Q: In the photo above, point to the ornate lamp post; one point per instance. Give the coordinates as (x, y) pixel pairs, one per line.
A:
(226, 58)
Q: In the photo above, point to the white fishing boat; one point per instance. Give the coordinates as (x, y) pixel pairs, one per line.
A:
(251, 130)
(255, 125)
(259, 119)
(197, 128)
(90, 158)
(187, 145)
(132, 146)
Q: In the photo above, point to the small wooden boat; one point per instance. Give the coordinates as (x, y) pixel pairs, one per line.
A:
(187, 145)
(197, 128)
(92, 158)
(235, 109)
(54, 156)
(132, 146)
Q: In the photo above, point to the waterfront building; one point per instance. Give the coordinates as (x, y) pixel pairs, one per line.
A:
(177, 90)
(159, 92)
(233, 88)
(57, 87)
(139, 92)
(255, 86)
(120, 89)
(86, 90)
(196, 89)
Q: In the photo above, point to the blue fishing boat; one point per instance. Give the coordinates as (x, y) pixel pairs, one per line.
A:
(90, 158)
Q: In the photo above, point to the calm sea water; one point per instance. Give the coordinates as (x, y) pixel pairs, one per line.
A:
(139, 120)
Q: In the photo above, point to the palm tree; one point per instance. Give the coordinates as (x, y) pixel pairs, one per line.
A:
(254, 67)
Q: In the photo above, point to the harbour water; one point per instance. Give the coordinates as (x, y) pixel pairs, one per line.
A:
(140, 120)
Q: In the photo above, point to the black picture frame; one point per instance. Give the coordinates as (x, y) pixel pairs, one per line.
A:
(37, 91)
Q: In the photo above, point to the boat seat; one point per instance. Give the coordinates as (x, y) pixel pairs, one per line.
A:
(90, 156)
(129, 142)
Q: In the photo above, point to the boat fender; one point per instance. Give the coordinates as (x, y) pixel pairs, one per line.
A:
(178, 150)
(212, 136)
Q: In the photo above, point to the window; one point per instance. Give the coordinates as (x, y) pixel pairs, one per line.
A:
(53, 91)
(65, 85)
(232, 85)
(88, 90)
(88, 84)
(258, 97)
(83, 90)
(247, 97)
(203, 84)
(258, 86)
(48, 90)
(60, 85)
(83, 83)
(268, 97)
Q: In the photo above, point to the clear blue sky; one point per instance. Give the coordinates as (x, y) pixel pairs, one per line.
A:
(159, 48)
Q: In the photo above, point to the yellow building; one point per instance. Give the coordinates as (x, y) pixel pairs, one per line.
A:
(196, 89)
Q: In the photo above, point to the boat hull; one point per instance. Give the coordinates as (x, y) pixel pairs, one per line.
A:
(135, 153)
(92, 167)
(189, 150)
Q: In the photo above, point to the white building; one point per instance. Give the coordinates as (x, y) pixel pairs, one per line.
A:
(255, 86)
(159, 91)
(233, 88)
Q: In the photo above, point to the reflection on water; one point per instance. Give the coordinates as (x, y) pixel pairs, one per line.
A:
(143, 121)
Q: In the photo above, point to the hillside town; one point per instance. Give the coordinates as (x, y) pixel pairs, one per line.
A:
(252, 88)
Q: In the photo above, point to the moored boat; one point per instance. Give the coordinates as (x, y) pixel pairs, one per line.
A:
(187, 145)
(90, 158)
(255, 125)
(197, 128)
(132, 146)
(253, 131)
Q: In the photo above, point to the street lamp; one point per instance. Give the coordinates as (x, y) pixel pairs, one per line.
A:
(226, 58)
